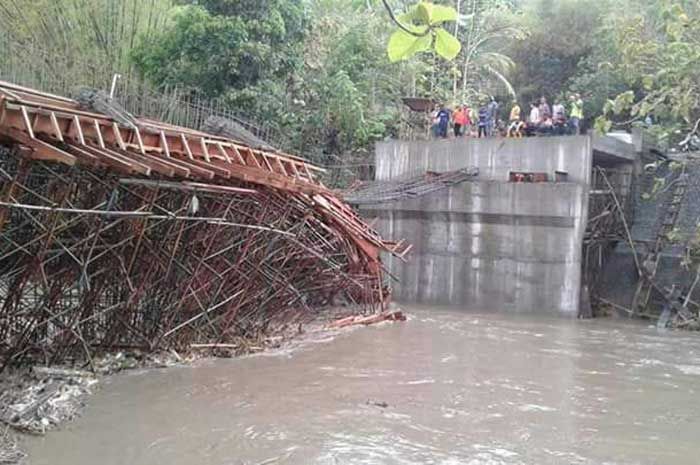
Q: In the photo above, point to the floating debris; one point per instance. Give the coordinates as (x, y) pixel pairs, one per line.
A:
(10, 453)
(37, 401)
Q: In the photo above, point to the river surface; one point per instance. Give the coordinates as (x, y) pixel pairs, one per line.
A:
(445, 387)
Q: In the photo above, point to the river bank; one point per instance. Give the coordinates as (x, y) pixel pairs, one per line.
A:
(448, 387)
(35, 400)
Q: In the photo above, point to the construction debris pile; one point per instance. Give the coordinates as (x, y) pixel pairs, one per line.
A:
(43, 399)
(142, 236)
(649, 227)
(667, 233)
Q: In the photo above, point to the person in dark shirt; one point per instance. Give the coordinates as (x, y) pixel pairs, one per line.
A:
(443, 121)
(483, 121)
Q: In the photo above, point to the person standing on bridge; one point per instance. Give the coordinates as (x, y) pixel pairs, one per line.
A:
(483, 121)
(443, 117)
(461, 120)
(576, 113)
(545, 110)
(534, 120)
(559, 118)
(492, 113)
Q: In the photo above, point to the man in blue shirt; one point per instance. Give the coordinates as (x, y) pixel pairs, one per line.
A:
(443, 121)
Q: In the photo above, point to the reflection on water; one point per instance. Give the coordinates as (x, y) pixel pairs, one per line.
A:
(446, 387)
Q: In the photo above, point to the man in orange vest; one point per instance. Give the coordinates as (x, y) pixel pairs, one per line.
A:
(460, 120)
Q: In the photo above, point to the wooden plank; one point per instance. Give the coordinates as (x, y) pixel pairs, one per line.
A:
(218, 171)
(115, 159)
(27, 124)
(267, 162)
(245, 161)
(152, 163)
(279, 163)
(79, 130)
(164, 144)
(225, 189)
(186, 145)
(40, 150)
(98, 131)
(196, 171)
(295, 170)
(118, 136)
(205, 150)
(137, 165)
(137, 133)
(158, 164)
(222, 151)
(94, 156)
(3, 110)
(7, 86)
(56, 127)
(237, 155)
(46, 151)
(257, 176)
(84, 156)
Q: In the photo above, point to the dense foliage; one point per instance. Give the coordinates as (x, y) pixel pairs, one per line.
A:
(224, 45)
(83, 40)
(659, 58)
(320, 71)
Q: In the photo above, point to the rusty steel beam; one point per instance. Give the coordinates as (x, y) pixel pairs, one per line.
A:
(157, 236)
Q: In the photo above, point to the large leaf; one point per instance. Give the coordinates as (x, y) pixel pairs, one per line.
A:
(446, 45)
(441, 13)
(403, 45)
(424, 11)
(410, 16)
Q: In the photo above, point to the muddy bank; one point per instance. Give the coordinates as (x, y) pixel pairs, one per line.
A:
(447, 387)
(35, 400)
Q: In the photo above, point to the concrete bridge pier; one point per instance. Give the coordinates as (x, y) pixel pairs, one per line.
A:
(489, 243)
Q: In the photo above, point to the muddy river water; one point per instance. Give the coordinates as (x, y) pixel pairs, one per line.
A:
(446, 387)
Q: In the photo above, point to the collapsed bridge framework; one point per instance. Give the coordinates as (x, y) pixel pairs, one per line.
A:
(147, 235)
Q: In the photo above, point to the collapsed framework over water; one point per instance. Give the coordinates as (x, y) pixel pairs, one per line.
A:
(145, 235)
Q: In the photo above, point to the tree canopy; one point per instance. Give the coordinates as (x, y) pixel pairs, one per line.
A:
(331, 73)
(221, 45)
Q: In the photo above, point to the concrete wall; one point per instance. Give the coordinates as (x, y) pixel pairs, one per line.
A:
(490, 244)
(494, 157)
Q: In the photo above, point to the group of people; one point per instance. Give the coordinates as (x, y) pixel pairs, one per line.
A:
(484, 122)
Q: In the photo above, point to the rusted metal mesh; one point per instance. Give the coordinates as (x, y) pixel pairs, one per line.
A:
(89, 260)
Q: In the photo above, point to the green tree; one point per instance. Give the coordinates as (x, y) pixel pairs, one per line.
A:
(220, 46)
(562, 34)
(347, 94)
(486, 31)
(659, 56)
